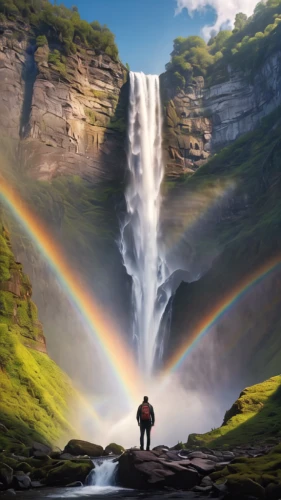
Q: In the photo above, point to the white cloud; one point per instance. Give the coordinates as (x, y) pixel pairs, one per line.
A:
(226, 11)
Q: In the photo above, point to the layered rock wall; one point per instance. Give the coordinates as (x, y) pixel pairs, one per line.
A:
(66, 115)
(201, 120)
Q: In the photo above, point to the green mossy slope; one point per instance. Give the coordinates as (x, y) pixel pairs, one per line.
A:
(255, 417)
(35, 394)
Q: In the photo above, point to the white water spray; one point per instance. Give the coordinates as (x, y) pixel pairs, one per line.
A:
(103, 475)
(139, 244)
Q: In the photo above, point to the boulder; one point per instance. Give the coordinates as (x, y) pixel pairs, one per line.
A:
(205, 467)
(114, 449)
(77, 447)
(36, 484)
(239, 487)
(40, 447)
(145, 470)
(273, 491)
(23, 466)
(10, 493)
(69, 472)
(6, 474)
(21, 481)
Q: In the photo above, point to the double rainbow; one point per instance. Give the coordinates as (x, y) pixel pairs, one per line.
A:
(103, 330)
(228, 302)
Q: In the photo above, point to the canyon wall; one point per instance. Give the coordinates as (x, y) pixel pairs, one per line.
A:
(67, 115)
(203, 119)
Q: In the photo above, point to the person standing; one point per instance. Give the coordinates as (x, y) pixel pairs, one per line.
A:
(145, 419)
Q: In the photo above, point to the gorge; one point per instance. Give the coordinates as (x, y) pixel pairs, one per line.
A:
(146, 212)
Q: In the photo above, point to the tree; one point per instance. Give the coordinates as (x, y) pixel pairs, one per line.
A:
(240, 21)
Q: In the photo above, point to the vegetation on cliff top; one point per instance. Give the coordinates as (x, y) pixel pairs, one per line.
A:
(35, 393)
(57, 23)
(248, 46)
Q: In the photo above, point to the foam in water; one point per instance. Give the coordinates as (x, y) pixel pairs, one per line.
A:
(140, 247)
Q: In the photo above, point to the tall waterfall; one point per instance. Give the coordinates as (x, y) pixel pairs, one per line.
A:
(140, 246)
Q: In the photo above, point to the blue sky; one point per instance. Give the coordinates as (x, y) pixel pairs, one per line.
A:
(144, 29)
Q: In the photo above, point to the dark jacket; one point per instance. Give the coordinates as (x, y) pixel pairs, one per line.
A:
(152, 416)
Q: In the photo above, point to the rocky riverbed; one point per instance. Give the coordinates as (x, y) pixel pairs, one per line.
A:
(178, 472)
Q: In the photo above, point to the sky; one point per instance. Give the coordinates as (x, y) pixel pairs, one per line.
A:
(145, 29)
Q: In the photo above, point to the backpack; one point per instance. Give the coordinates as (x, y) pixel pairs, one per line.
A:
(145, 411)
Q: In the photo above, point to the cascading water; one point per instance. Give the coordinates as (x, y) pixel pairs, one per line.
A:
(103, 475)
(139, 245)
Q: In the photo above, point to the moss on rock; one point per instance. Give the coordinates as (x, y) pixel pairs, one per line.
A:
(69, 472)
(35, 393)
(114, 449)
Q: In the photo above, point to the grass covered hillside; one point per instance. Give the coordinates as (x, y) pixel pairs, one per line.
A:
(36, 395)
(253, 418)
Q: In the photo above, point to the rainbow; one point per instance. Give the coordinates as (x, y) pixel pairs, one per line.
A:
(221, 310)
(104, 332)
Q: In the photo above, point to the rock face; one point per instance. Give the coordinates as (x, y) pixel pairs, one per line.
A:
(201, 119)
(68, 119)
(237, 106)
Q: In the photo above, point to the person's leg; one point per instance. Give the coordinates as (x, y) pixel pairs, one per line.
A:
(142, 429)
(148, 429)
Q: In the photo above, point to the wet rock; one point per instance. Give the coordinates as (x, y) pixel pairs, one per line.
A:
(36, 484)
(77, 447)
(206, 481)
(144, 470)
(21, 481)
(6, 474)
(113, 449)
(68, 472)
(76, 484)
(10, 493)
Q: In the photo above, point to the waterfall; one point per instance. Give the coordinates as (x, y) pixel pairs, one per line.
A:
(139, 245)
(103, 475)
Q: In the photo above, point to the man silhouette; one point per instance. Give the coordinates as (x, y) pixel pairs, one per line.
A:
(145, 419)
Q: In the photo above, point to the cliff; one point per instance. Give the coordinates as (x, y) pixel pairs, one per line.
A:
(202, 119)
(64, 112)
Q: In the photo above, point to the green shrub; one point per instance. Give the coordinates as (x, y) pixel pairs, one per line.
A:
(41, 40)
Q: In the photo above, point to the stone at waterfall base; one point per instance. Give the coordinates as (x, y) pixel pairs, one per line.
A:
(78, 447)
(145, 470)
